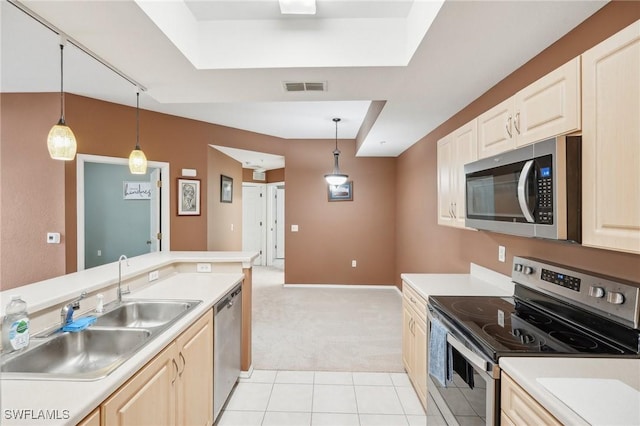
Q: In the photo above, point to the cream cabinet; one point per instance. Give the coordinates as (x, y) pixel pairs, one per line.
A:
(611, 143)
(518, 408)
(176, 387)
(414, 341)
(454, 151)
(92, 419)
(548, 107)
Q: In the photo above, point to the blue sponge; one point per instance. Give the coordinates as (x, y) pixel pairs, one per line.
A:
(79, 324)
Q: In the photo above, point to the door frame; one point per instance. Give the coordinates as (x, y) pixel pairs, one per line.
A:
(270, 252)
(165, 215)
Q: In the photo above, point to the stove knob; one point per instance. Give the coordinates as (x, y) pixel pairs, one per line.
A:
(615, 298)
(517, 267)
(596, 292)
(528, 270)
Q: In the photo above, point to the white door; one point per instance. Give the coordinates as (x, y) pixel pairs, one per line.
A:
(253, 207)
(280, 223)
(154, 242)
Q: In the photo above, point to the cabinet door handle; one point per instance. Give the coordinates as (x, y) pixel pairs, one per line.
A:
(451, 210)
(508, 127)
(517, 122)
(412, 299)
(184, 364)
(455, 216)
(175, 364)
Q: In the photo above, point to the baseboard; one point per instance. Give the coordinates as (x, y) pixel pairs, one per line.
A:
(345, 286)
(247, 374)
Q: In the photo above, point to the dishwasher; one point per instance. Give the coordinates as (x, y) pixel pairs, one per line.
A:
(227, 327)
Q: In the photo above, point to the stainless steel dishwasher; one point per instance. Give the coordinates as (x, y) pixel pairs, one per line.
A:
(227, 326)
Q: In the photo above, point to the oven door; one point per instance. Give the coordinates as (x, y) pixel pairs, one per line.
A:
(473, 399)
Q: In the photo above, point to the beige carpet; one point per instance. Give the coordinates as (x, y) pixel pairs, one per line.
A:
(324, 329)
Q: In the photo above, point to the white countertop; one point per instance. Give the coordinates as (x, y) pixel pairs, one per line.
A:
(80, 398)
(527, 371)
(57, 290)
(479, 282)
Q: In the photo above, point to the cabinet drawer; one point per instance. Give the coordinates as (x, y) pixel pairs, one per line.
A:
(415, 301)
(520, 407)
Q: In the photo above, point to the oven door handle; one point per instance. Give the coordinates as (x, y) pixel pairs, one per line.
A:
(522, 190)
(467, 354)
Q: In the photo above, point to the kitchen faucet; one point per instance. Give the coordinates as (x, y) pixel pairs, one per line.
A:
(66, 314)
(120, 290)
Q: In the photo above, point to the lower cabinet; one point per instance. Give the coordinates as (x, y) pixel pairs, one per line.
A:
(414, 341)
(92, 419)
(518, 408)
(176, 387)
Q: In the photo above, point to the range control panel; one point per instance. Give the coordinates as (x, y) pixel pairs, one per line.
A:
(616, 298)
(560, 279)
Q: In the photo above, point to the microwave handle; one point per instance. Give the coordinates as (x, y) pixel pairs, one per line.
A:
(522, 185)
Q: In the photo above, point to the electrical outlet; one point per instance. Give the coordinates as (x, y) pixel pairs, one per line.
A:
(203, 267)
(354, 263)
(502, 253)
(153, 275)
(53, 238)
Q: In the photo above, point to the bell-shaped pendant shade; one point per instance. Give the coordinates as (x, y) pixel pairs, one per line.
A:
(137, 162)
(62, 142)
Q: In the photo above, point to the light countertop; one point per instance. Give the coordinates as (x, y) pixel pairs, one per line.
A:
(479, 282)
(527, 371)
(29, 397)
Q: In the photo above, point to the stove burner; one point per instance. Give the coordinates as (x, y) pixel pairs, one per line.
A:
(518, 339)
(481, 310)
(575, 340)
(536, 318)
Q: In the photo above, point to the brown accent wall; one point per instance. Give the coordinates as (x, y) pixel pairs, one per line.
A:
(32, 191)
(224, 219)
(272, 176)
(332, 234)
(424, 246)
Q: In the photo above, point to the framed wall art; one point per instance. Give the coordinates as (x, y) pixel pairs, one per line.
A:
(226, 189)
(342, 192)
(188, 197)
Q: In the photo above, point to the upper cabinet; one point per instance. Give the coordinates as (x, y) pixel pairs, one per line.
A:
(611, 142)
(546, 108)
(454, 151)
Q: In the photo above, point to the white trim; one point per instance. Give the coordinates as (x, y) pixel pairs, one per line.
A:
(263, 231)
(165, 209)
(344, 286)
(270, 221)
(247, 374)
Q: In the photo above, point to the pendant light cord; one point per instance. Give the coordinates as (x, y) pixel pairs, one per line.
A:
(138, 120)
(61, 84)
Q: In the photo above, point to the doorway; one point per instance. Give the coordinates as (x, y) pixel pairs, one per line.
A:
(263, 222)
(119, 213)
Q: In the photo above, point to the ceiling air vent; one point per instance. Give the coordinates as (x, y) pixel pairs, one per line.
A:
(259, 175)
(300, 86)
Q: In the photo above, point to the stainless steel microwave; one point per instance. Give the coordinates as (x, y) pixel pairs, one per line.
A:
(533, 191)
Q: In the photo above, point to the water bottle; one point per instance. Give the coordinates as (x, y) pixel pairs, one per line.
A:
(15, 326)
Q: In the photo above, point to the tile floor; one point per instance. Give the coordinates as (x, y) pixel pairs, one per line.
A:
(320, 398)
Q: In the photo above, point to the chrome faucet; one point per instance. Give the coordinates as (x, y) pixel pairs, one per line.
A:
(66, 314)
(120, 290)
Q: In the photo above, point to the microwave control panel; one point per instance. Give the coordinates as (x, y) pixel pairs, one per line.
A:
(544, 201)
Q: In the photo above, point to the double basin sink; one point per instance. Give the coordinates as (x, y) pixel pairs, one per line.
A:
(95, 352)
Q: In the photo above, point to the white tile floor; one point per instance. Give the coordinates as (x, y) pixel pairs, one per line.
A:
(297, 398)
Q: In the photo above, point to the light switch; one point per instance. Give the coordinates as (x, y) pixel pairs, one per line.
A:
(294, 228)
(53, 238)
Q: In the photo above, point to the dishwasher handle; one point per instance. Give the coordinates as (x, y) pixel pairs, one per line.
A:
(228, 300)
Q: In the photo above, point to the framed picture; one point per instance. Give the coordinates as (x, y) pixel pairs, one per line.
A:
(226, 189)
(342, 192)
(188, 197)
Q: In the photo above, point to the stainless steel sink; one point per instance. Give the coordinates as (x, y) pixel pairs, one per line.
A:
(87, 355)
(93, 353)
(145, 313)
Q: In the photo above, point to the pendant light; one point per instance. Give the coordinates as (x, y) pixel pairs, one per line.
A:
(61, 141)
(336, 178)
(137, 159)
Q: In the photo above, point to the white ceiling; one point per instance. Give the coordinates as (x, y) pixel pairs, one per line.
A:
(245, 50)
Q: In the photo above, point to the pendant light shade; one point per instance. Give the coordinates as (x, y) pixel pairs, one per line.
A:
(137, 159)
(336, 177)
(61, 141)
